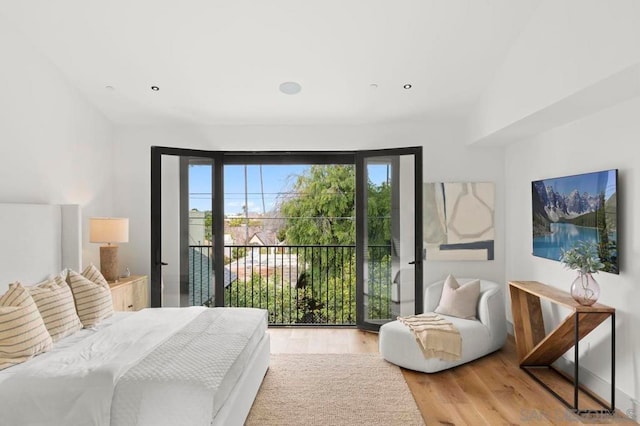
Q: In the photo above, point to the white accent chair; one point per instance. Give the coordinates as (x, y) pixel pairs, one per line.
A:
(479, 337)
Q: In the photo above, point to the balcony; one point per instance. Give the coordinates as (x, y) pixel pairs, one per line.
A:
(298, 285)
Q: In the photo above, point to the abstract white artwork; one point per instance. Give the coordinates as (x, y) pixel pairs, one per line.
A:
(459, 220)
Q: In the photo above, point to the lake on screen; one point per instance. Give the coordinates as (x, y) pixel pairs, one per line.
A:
(563, 236)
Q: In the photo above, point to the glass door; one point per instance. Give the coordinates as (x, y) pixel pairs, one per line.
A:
(389, 250)
(185, 240)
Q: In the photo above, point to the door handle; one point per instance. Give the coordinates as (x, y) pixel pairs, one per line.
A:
(163, 263)
(424, 256)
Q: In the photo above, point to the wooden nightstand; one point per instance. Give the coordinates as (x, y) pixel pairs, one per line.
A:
(131, 293)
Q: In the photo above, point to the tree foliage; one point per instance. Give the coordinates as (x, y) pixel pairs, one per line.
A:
(239, 221)
(289, 304)
(208, 225)
(321, 210)
(607, 248)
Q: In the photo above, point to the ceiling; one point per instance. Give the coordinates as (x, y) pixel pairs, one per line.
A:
(221, 62)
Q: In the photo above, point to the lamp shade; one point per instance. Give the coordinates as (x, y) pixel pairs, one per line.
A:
(108, 230)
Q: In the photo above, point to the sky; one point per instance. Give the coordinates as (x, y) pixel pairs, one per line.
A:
(276, 180)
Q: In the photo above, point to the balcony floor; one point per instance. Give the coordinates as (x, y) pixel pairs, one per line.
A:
(470, 394)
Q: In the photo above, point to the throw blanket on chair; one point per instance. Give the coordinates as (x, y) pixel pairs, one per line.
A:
(437, 337)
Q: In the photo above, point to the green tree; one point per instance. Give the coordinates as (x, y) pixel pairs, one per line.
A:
(321, 212)
(259, 292)
(239, 221)
(322, 209)
(208, 225)
(379, 214)
(606, 247)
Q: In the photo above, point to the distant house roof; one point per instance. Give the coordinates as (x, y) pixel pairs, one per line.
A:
(265, 238)
(239, 233)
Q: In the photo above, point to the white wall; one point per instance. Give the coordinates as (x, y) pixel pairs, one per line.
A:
(566, 46)
(54, 146)
(446, 158)
(606, 140)
(574, 60)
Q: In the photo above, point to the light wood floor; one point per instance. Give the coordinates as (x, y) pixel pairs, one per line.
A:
(490, 391)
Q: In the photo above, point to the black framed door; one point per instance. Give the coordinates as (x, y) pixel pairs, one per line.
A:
(389, 252)
(177, 261)
(171, 248)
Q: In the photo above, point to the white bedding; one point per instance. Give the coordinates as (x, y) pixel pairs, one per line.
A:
(188, 378)
(74, 383)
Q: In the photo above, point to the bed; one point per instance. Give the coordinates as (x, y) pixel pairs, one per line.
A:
(162, 366)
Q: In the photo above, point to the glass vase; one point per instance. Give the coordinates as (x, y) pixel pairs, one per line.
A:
(585, 289)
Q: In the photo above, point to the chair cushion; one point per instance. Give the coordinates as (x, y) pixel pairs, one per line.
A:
(459, 301)
(398, 345)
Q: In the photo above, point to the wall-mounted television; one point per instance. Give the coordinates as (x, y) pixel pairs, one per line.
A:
(576, 208)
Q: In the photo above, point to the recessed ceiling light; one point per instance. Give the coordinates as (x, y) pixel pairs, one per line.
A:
(155, 88)
(290, 87)
(109, 87)
(374, 85)
(407, 86)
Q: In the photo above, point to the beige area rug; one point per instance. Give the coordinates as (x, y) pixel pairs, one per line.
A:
(333, 389)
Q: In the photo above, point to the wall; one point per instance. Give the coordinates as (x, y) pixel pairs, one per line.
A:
(446, 158)
(606, 140)
(55, 147)
(566, 46)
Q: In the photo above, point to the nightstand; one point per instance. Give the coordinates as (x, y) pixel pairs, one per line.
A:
(131, 293)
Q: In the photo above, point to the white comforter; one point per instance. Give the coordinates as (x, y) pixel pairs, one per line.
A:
(75, 386)
(187, 379)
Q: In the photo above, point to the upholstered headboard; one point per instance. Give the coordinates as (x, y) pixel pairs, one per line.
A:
(37, 240)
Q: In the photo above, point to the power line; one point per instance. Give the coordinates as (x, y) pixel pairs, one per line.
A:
(264, 210)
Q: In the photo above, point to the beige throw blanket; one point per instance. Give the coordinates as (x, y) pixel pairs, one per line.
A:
(437, 337)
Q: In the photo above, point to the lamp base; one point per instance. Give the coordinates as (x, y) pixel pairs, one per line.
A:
(109, 262)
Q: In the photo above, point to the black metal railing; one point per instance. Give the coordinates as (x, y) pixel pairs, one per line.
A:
(298, 285)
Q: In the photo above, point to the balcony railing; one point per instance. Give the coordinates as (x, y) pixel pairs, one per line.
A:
(298, 285)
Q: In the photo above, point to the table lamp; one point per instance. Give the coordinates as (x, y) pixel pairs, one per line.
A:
(109, 230)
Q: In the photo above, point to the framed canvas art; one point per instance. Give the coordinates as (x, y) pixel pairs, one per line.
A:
(459, 220)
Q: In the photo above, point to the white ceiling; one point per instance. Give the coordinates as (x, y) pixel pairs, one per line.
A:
(221, 62)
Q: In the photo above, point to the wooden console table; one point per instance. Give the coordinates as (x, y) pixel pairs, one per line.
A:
(537, 350)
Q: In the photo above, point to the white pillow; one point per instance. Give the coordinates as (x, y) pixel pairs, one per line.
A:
(459, 301)
(22, 331)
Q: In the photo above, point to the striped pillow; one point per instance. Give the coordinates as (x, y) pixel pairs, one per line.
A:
(22, 330)
(55, 303)
(93, 298)
(93, 274)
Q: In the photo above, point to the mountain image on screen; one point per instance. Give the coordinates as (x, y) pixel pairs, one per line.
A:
(576, 208)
